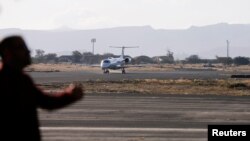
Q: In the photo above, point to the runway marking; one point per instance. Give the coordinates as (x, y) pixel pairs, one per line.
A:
(122, 129)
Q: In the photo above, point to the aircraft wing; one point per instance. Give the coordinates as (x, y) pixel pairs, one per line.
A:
(133, 66)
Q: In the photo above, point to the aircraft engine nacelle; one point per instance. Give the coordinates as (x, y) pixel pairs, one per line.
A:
(127, 60)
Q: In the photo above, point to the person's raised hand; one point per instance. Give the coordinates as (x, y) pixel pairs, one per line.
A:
(76, 91)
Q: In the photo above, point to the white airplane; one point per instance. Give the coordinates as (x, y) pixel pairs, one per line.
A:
(116, 63)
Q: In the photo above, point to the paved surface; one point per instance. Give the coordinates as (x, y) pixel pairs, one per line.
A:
(138, 117)
(45, 77)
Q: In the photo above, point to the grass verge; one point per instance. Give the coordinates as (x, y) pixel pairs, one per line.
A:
(230, 87)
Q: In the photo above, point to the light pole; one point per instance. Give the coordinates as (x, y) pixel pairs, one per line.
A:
(93, 40)
(227, 52)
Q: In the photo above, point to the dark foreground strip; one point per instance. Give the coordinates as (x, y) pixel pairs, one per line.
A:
(240, 76)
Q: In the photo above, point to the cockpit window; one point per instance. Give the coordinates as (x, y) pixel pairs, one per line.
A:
(106, 61)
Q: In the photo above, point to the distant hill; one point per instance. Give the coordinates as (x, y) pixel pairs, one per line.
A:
(205, 41)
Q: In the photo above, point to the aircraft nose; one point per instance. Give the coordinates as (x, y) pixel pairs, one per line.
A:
(104, 65)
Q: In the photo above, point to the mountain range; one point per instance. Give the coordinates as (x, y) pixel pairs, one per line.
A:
(205, 41)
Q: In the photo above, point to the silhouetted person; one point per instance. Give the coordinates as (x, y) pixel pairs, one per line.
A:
(20, 97)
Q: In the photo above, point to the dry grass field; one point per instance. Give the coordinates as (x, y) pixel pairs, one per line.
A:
(155, 67)
(153, 86)
(60, 67)
(78, 67)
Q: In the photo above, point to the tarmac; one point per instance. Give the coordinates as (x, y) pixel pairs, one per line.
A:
(140, 117)
(47, 77)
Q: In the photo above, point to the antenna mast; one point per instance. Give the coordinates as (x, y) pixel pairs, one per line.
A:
(93, 40)
(228, 52)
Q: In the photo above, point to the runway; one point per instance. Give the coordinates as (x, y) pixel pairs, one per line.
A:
(140, 117)
(46, 77)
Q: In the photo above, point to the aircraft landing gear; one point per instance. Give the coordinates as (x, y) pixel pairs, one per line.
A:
(106, 71)
(123, 71)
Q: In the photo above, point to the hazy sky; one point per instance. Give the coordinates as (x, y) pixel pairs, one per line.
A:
(89, 14)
